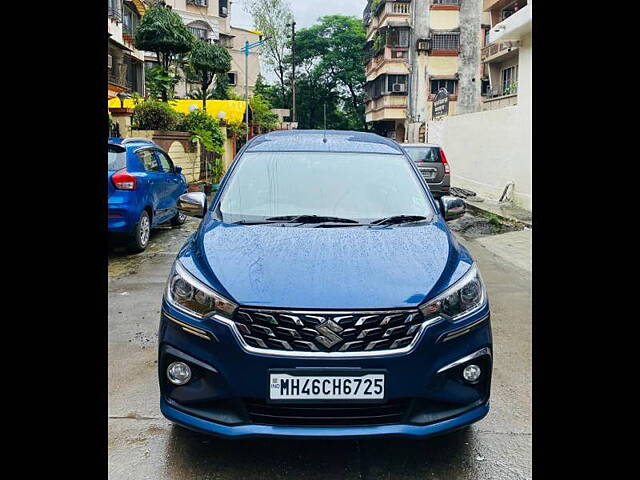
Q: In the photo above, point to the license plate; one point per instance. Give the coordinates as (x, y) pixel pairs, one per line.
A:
(429, 174)
(283, 386)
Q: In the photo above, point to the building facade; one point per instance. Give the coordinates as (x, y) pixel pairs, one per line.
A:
(501, 54)
(414, 48)
(209, 20)
(490, 150)
(125, 62)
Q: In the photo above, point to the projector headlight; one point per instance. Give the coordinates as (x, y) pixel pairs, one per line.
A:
(187, 293)
(463, 297)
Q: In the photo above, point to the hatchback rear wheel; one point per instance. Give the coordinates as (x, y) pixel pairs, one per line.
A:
(140, 238)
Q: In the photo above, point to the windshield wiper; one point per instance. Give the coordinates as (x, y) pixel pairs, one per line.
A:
(309, 219)
(395, 219)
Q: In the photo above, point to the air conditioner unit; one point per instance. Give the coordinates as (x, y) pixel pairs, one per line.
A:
(399, 87)
(224, 11)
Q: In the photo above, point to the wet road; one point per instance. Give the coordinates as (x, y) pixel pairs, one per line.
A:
(144, 445)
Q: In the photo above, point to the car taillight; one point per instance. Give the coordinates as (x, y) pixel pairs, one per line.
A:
(443, 159)
(123, 180)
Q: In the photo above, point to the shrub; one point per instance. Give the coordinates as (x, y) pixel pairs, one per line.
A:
(154, 115)
(205, 128)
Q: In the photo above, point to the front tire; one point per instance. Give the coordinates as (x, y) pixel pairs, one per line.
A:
(140, 238)
(178, 220)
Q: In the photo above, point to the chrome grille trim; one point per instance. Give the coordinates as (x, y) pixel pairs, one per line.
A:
(334, 354)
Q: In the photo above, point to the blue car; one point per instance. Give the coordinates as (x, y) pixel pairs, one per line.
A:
(144, 186)
(323, 295)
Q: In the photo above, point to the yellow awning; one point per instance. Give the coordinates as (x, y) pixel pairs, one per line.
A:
(140, 6)
(233, 109)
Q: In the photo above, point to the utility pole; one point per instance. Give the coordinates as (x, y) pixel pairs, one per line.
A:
(246, 84)
(248, 46)
(293, 61)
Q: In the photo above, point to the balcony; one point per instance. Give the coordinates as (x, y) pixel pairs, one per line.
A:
(386, 107)
(391, 60)
(499, 101)
(495, 51)
(395, 11)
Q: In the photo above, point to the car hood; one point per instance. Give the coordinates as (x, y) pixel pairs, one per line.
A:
(327, 268)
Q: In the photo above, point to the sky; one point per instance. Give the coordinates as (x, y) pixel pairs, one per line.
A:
(306, 12)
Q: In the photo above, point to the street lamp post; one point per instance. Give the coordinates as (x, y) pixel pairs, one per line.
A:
(248, 46)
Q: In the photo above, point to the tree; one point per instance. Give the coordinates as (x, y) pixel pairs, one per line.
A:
(161, 31)
(261, 113)
(208, 61)
(271, 18)
(331, 59)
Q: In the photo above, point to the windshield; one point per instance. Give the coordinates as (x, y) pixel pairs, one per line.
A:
(355, 186)
(116, 160)
(423, 154)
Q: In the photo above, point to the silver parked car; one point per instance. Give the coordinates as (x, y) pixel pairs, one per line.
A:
(432, 163)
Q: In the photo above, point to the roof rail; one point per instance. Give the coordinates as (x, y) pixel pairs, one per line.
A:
(135, 140)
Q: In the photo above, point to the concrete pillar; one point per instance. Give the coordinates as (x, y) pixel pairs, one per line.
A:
(122, 116)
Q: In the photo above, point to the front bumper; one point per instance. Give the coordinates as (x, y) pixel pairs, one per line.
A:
(228, 382)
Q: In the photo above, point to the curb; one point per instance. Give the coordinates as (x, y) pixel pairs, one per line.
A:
(472, 207)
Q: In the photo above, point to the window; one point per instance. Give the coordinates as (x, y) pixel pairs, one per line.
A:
(398, 37)
(362, 186)
(129, 21)
(199, 3)
(424, 154)
(232, 78)
(509, 82)
(115, 9)
(148, 161)
(397, 83)
(446, 2)
(165, 161)
(223, 8)
(446, 41)
(450, 85)
(199, 32)
(116, 158)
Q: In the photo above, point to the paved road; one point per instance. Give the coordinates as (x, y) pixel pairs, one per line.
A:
(144, 445)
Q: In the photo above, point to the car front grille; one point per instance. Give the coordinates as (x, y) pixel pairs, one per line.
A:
(262, 413)
(328, 332)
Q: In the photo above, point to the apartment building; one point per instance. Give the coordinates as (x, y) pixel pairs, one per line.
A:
(414, 48)
(209, 20)
(125, 63)
(506, 53)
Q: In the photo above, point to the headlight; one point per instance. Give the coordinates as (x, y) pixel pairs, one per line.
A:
(186, 292)
(466, 295)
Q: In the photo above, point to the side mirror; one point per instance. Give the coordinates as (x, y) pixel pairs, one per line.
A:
(193, 204)
(452, 207)
(178, 169)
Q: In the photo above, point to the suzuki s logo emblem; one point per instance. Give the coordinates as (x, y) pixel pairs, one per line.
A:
(328, 333)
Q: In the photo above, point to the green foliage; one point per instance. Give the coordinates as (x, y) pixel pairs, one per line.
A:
(209, 61)
(162, 31)
(160, 82)
(375, 4)
(262, 114)
(238, 131)
(330, 58)
(154, 115)
(205, 129)
(271, 18)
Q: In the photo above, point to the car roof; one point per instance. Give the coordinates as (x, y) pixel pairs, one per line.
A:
(132, 143)
(405, 145)
(313, 141)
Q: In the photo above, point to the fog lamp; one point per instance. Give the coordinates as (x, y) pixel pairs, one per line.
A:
(471, 373)
(178, 373)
